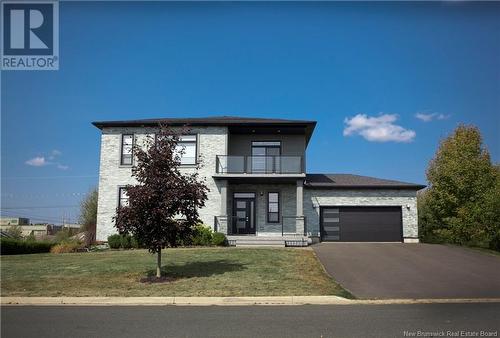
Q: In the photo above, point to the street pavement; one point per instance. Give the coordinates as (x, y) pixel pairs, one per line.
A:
(474, 319)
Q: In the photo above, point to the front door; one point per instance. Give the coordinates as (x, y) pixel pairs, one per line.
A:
(244, 216)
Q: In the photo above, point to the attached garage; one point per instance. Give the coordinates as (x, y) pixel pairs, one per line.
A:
(353, 208)
(361, 224)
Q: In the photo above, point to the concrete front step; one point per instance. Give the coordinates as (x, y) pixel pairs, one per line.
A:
(280, 243)
(259, 245)
(267, 241)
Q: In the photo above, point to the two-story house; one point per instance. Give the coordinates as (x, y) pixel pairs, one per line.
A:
(260, 192)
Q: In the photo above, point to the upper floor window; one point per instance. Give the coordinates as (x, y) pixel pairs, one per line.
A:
(122, 197)
(127, 149)
(188, 144)
(273, 207)
(264, 156)
(266, 148)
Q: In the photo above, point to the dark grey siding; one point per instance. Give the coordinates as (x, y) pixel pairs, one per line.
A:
(291, 145)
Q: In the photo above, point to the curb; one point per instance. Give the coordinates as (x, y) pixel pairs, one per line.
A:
(224, 301)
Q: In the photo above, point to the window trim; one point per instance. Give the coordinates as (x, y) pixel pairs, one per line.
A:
(120, 189)
(266, 157)
(279, 207)
(121, 150)
(280, 147)
(195, 149)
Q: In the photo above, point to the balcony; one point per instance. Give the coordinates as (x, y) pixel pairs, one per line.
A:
(287, 165)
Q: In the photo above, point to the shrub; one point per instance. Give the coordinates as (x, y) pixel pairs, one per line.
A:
(10, 246)
(65, 247)
(219, 239)
(63, 235)
(202, 235)
(134, 243)
(123, 241)
(126, 241)
(115, 241)
(31, 237)
(15, 231)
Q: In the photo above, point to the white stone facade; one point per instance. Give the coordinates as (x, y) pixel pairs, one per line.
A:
(406, 199)
(211, 141)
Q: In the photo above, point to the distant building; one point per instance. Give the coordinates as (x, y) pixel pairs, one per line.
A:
(14, 221)
(27, 230)
(38, 229)
(74, 228)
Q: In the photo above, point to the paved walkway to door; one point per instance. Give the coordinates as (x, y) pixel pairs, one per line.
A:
(397, 270)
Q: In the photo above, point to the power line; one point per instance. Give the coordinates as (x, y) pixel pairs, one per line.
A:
(41, 207)
(44, 195)
(46, 177)
(41, 218)
(29, 214)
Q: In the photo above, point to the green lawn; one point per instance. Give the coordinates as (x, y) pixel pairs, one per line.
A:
(197, 272)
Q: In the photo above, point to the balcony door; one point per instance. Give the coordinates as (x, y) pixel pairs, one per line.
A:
(266, 157)
(244, 213)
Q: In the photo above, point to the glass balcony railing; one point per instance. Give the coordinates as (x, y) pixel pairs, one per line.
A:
(227, 164)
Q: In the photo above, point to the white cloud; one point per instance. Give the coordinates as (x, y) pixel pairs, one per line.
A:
(38, 161)
(54, 153)
(424, 117)
(427, 117)
(378, 129)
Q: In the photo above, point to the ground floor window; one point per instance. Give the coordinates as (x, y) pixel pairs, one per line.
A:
(273, 207)
(122, 197)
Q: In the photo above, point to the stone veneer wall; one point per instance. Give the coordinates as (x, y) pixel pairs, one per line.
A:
(314, 198)
(211, 141)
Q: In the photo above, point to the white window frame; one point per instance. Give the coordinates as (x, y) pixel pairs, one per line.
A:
(191, 139)
(122, 199)
(122, 148)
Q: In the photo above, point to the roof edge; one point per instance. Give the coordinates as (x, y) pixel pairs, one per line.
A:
(337, 181)
(415, 187)
(208, 121)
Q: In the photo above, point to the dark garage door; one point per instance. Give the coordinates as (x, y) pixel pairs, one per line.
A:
(361, 224)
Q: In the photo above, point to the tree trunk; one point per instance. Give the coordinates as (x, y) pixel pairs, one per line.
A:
(158, 264)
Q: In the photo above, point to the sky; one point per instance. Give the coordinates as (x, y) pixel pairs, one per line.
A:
(385, 81)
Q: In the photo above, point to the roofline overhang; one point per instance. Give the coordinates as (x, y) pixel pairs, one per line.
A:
(154, 123)
(385, 187)
(308, 126)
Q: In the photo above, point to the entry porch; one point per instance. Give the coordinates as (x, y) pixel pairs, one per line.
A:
(262, 213)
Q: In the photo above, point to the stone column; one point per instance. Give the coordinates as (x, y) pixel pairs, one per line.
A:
(222, 217)
(300, 222)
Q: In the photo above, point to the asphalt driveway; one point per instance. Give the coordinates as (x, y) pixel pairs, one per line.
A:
(397, 270)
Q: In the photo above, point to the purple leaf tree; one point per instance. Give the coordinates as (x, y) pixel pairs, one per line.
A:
(163, 206)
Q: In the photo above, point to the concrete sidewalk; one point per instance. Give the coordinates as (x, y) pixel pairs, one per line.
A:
(224, 301)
